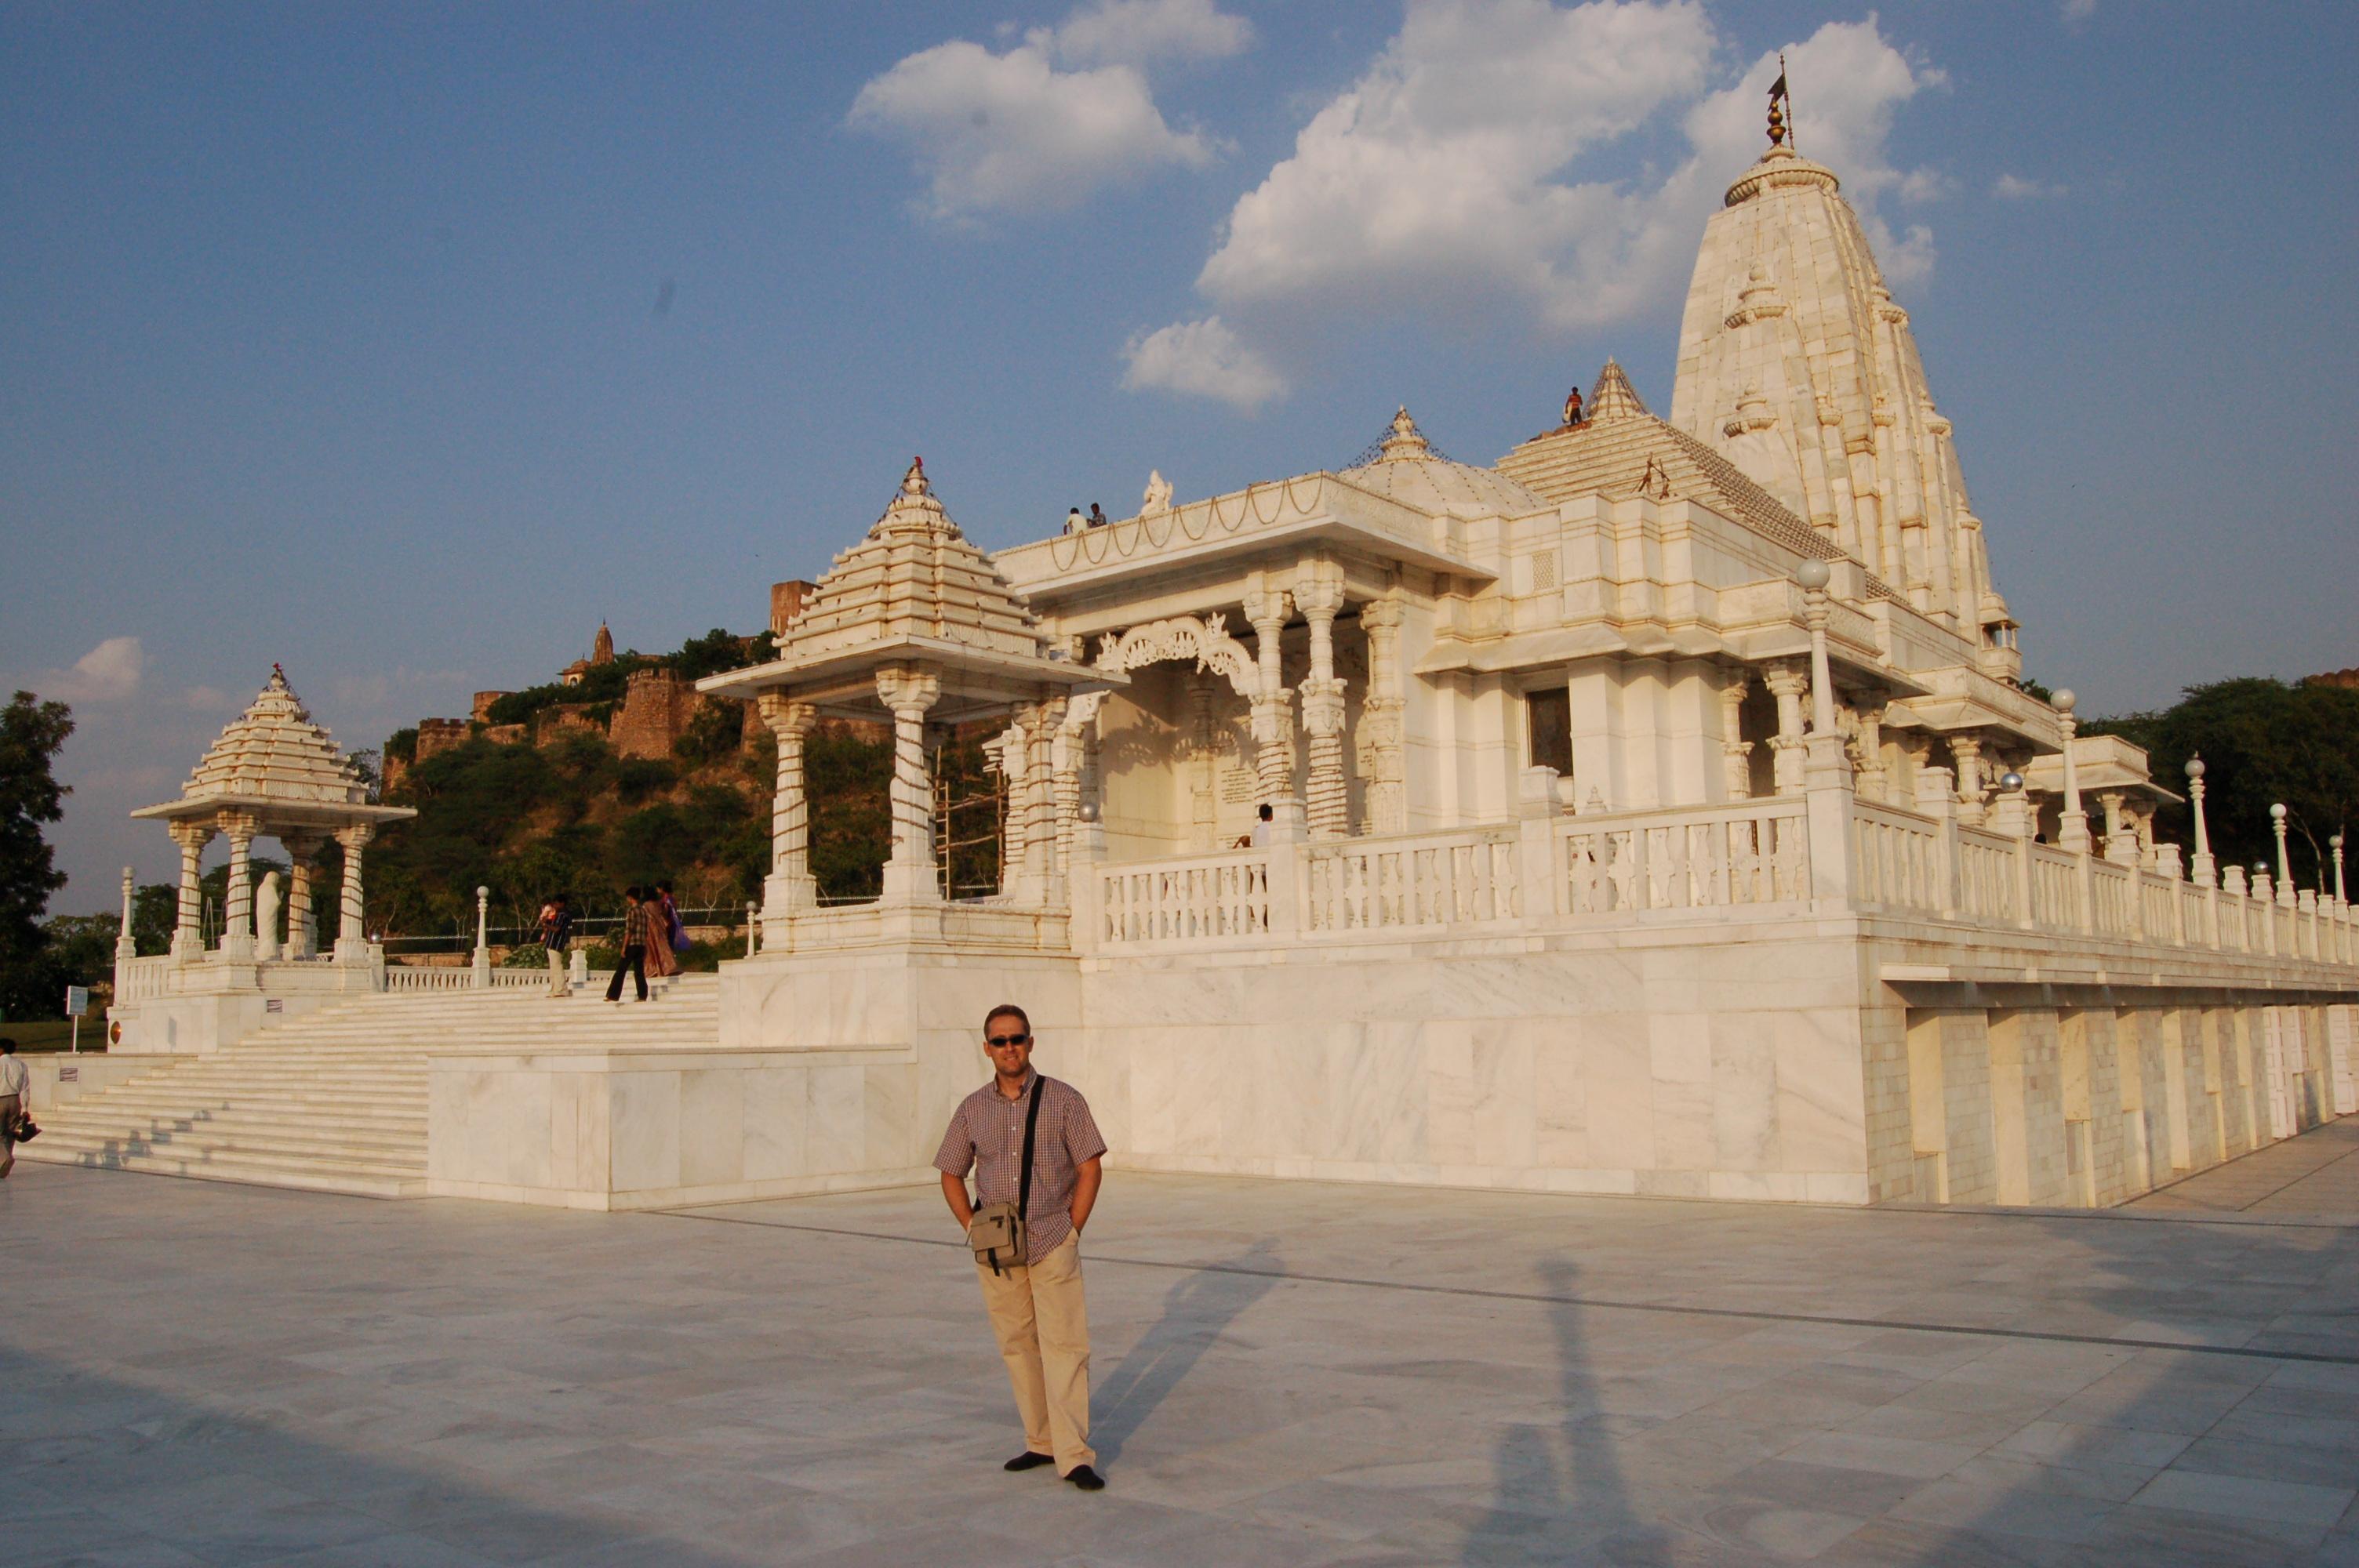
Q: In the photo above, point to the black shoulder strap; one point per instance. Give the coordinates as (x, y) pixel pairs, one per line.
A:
(1023, 1183)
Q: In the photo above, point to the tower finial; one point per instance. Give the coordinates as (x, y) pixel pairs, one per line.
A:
(1406, 440)
(1781, 108)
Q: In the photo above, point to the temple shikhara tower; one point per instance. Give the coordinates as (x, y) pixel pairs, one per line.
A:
(1656, 810)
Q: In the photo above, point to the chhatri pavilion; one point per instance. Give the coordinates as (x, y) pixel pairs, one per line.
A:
(272, 774)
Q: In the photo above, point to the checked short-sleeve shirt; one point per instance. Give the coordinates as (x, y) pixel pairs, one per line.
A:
(986, 1136)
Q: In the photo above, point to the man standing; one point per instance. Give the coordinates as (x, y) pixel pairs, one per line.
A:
(14, 1079)
(556, 934)
(633, 959)
(1036, 1311)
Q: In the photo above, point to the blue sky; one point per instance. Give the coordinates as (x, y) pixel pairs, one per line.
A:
(402, 344)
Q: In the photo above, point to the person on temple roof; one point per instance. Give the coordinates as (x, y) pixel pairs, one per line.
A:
(1097, 516)
(1074, 521)
(1572, 407)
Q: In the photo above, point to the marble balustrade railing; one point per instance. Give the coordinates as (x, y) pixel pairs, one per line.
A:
(1158, 903)
(1746, 853)
(1742, 856)
(443, 977)
(1902, 864)
(1422, 882)
(137, 980)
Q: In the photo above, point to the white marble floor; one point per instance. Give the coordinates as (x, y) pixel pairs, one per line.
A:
(193, 1373)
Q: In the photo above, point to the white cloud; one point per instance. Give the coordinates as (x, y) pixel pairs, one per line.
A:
(1202, 359)
(206, 700)
(1438, 179)
(1138, 32)
(2015, 188)
(1925, 184)
(2077, 12)
(108, 673)
(1013, 132)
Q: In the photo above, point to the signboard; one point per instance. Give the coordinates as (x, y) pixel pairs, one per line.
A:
(77, 1000)
(274, 1004)
(69, 1074)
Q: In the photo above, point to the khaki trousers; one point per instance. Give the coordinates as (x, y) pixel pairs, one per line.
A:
(11, 1108)
(1043, 1325)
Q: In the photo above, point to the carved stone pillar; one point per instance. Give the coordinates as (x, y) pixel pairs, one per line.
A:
(1383, 735)
(303, 914)
(1319, 594)
(1043, 720)
(1736, 752)
(1273, 720)
(188, 926)
(1072, 754)
(238, 916)
(1787, 679)
(790, 885)
(1006, 752)
(2121, 840)
(1972, 792)
(1089, 793)
(1203, 689)
(910, 691)
(1867, 745)
(351, 939)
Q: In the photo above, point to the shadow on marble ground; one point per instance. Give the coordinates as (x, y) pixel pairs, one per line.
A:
(1196, 1311)
(1563, 1495)
(97, 1471)
(2241, 1449)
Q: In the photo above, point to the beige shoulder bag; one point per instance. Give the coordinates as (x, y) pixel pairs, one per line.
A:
(998, 1230)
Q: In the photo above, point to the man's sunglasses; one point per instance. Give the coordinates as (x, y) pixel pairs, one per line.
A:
(998, 1040)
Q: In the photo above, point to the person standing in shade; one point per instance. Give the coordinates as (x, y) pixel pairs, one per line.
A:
(634, 937)
(12, 1081)
(1037, 1311)
(557, 936)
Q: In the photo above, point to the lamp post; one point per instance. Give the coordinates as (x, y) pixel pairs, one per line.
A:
(2335, 842)
(2072, 831)
(2285, 863)
(483, 943)
(2204, 870)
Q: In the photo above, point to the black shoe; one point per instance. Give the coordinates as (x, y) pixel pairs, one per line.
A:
(1029, 1460)
(1087, 1479)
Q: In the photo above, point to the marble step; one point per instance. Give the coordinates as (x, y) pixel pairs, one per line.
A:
(398, 1145)
(351, 1179)
(181, 1102)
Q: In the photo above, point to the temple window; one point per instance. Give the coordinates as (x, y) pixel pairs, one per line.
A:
(1548, 729)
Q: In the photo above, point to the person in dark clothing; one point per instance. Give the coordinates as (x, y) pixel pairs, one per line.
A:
(557, 936)
(1097, 516)
(635, 948)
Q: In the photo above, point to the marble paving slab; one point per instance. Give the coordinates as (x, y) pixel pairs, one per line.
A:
(1286, 1373)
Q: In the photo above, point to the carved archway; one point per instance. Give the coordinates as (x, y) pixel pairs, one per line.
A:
(1204, 641)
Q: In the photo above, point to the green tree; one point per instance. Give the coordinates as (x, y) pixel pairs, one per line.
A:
(2261, 742)
(31, 732)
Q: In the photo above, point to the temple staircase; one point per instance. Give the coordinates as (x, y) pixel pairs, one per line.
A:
(335, 1100)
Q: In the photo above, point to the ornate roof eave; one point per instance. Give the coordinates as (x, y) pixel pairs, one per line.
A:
(1319, 507)
(302, 813)
(986, 674)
